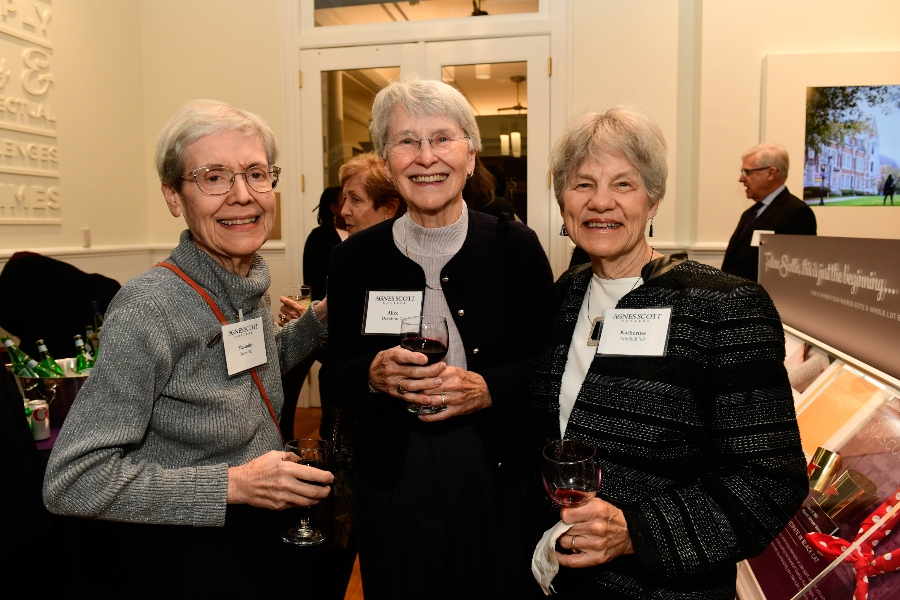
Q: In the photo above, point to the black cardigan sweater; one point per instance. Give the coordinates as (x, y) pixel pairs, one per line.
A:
(498, 289)
(699, 448)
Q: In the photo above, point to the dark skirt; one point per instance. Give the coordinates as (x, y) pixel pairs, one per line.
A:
(103, 559)
(446, 530)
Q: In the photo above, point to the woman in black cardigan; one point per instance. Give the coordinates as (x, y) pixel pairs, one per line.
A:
(696, 438)
(439, 497)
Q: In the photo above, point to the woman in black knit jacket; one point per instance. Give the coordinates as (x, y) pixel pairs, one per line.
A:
(699, 447)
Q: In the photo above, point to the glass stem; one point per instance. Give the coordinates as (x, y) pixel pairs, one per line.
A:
(304, 518)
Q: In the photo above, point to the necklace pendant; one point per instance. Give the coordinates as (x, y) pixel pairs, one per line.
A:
(596, 329)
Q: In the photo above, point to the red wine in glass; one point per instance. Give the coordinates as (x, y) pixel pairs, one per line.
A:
(570, 473)
(428, 335)
(435, 350)
(565, 497)
(314, 453)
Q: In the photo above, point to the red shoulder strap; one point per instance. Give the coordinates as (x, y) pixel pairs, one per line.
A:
(212, 304)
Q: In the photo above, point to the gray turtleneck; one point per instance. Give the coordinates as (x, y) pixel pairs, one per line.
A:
(431, 249)
(152, 433)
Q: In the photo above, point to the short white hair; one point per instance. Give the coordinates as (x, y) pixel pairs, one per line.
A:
(771, 154)
(420, 97)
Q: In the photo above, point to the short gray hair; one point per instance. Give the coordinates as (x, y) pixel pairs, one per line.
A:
(199, 118)
(421, 97)
(771, 154)
(624, 130)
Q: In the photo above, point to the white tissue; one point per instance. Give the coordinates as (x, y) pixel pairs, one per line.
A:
(544, 565)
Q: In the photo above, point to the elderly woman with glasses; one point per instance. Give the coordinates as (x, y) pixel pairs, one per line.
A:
(172, 449)
(674, 371)
(439, 494)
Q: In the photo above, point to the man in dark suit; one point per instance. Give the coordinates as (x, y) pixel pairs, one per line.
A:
(763, 173)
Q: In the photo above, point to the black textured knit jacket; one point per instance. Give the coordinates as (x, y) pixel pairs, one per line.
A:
(699, 448)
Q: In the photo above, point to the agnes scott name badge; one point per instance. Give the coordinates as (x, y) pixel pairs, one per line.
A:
(386, 308)
(245, 345)
(635, 331)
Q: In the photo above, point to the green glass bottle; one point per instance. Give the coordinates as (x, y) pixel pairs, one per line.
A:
(98, 323)
(17, 357)
(37, 370)
(83, 361)
(98, 315)
(88, 337)
(47, 361)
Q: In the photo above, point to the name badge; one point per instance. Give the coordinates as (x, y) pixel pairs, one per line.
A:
(245, 345)
(754, 240)
(635, 331)
(386, 308)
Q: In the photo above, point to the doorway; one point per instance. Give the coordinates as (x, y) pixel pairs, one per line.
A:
(506, 80)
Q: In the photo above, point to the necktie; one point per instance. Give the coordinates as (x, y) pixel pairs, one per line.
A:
(749, 217)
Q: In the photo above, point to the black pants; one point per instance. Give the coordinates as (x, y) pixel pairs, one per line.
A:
(102, 559)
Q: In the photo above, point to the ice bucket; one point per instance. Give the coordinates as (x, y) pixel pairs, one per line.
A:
(59, 392)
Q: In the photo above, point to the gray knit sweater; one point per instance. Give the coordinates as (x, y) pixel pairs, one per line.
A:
(151, 435)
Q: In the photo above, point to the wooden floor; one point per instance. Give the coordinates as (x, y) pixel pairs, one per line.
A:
(306, 425)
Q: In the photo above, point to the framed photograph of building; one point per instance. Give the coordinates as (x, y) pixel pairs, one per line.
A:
(786, 80)
(852, 145)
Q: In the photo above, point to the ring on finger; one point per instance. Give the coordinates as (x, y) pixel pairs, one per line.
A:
(400, 390)
(572, 548)
(442, 400)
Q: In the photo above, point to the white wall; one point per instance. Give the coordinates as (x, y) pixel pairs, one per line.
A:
(736, 37)
(97, 98)
(696, 66)
(627, 53)
(223, 49)
(121, 67)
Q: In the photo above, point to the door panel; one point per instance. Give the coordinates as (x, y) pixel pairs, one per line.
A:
(332, 76)
(509, 58)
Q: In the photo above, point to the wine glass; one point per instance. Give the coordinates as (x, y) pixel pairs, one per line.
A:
(427, 335)
(570, 473)
(314, 453)
(301, 294)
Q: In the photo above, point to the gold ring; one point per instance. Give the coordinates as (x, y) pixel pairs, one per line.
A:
(400, 390)
(282, 318)
(572, 549)
(442, 400)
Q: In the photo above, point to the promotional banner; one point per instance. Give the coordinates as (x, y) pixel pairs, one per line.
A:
(844, 292)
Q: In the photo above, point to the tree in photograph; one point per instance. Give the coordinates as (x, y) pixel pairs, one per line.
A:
(832, 112)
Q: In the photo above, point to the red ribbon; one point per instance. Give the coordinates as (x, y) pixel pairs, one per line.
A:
(864, 561)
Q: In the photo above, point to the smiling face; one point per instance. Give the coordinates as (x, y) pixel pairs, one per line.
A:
(430, 182)
(605, 208)
(229, 227)
(359, 210)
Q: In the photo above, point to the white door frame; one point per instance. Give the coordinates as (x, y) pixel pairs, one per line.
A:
(300, 137)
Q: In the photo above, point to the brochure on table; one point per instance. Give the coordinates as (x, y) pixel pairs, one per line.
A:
(836, 305)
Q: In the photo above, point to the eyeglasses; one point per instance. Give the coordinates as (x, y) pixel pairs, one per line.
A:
(439, 143)
(215, 181)
(746, 172)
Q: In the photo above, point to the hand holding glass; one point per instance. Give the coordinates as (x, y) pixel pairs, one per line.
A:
(570, 473)
(301, 294)
(314, 453)
(427, 335)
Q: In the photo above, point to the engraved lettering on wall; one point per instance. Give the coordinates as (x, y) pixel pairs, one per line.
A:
(30, 191)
